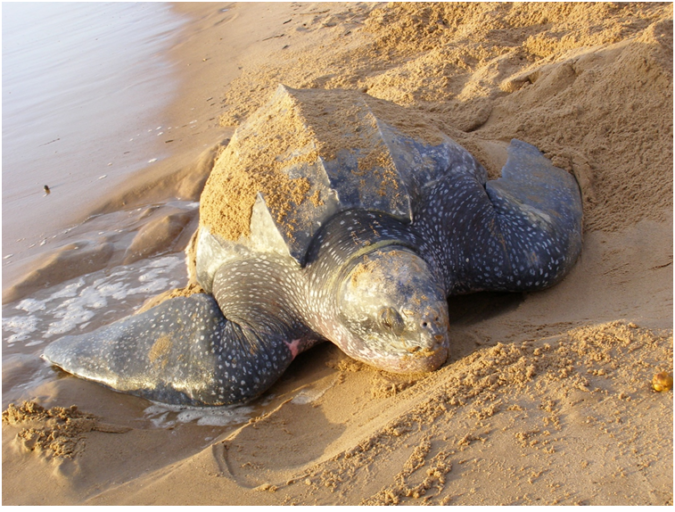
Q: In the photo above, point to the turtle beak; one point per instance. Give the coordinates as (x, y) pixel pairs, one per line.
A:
(432, 346)
(424, 359)
(434, 326)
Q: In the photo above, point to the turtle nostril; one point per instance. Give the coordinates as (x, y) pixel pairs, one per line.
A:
(424, 324)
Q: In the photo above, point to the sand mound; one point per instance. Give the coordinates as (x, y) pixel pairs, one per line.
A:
(67, 262)
(590, 85)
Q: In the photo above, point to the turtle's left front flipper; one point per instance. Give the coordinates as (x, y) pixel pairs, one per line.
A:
(525, 228)
(183, 351)
(540, 214)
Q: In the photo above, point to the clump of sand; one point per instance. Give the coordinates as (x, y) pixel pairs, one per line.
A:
(252, 163)
(55, 432)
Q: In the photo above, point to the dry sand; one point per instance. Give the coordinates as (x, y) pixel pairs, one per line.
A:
(546, 398)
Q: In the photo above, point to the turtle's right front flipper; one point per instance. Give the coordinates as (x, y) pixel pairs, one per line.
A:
(183, 351)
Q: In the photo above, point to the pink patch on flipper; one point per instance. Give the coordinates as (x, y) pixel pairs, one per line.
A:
(294, 347)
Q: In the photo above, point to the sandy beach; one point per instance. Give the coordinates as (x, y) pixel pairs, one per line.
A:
(547, 397)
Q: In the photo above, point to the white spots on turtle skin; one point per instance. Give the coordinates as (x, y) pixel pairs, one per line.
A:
(206, 360)
(351, 236)
(490, 243)
(190, 351)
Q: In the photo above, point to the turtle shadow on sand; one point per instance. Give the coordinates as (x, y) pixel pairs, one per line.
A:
(466, 310)
(336, 216)
(469, 311)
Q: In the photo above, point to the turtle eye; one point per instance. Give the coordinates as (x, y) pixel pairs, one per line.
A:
(388, 317)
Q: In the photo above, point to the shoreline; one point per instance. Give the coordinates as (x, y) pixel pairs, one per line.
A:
(539, 389)
(179, 175)
(80, 167)
(202, 73)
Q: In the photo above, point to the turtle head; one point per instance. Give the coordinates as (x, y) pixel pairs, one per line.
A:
(395, 311)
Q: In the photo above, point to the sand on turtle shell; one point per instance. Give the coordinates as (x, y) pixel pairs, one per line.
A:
(301, 127)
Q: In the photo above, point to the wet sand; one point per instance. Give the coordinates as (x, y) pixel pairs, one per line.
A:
(84, 87)
(546, 398)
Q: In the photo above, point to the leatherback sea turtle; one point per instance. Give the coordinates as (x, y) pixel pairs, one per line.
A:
(332, 215)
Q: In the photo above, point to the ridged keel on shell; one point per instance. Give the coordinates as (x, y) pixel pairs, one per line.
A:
(344, 152)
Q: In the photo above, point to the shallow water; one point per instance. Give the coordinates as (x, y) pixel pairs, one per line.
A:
(84, 85)
(87, 302)
(84, 88)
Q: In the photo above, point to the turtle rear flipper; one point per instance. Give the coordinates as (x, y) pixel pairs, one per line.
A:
(183, 351)
(526, 227)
